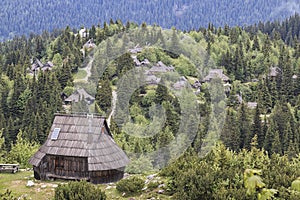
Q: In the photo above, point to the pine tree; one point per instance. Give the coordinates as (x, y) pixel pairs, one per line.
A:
(238, 64)
(65, 76)
(175, 46)
(161, 39)
(292, 150)
(161, 94)
(233, 98)
(257, 128)
(256, 45)
(92, 32)
(233, 35)
(124, 64)
(266, 47)
(109, 49)
(104, 95)
(273, 92)
(230, 132)
(264, 97)
(286, 69)
(276, 144)
(244, 127)
(226, 61)
(270, 136)
(287, 136)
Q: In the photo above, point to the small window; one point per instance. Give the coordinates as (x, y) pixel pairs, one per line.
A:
(55, 133)
(59, 162)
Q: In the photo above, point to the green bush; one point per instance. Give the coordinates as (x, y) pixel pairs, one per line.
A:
(153, 185)
(131, 186)
(78, 191)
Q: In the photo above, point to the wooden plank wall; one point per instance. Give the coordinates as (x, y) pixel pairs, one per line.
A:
(65, 166)
(74, 168)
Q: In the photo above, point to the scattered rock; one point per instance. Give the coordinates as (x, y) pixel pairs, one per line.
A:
(54, 185)
(161, 186)
(30, 184)
(123, 194)
(108, 187)
(160, 191)
(150, 177)
(23, 196)
(147, 181)
(43, 186)
(145, 188)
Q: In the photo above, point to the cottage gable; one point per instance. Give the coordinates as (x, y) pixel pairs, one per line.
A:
(37, 65)
(216, 73)
(80, 94)
(160, 67)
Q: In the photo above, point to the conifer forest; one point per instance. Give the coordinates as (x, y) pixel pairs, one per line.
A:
(209, 103)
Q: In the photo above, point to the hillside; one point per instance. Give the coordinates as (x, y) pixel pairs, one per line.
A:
(25, 16)
(168, 108)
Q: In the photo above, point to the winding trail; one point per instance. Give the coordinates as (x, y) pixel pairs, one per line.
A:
(88, 69)
(114, 101)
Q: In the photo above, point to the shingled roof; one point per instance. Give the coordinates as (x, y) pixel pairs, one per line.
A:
(83, 136)
(78, 95)
(216, 73)
(160, 67)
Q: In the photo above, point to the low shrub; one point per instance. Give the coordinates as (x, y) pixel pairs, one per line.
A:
(131, 186)
(152, 185)
(78, 191)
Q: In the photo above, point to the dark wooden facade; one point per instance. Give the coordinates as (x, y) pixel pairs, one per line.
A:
(73, 168)
(53, 166)
(85, 153)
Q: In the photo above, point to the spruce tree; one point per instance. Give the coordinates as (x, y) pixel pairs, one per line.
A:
(230, 134)
(175, 46)
(161, 94)
(264, 97)
(256, 45)
(288, 136)
(276, 144)
(286, 84)
(257, 128)
(104, 95)
(244, 127)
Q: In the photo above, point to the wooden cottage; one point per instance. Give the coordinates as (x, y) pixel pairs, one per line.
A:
(216, 73)
(79, 147)
(80, 94)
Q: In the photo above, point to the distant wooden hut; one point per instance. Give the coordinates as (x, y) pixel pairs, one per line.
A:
(216, 73)
(79, 147)
(37, 65)
(79, 94)
(274, 72)
(160, 67)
